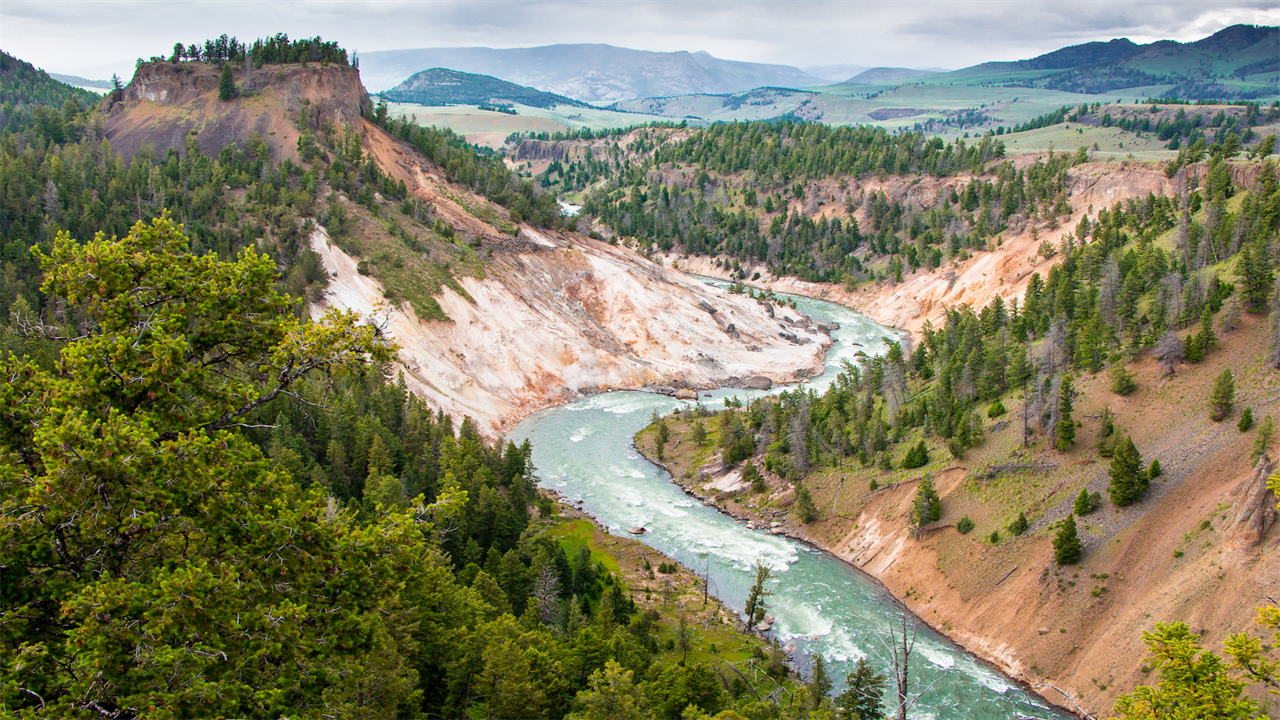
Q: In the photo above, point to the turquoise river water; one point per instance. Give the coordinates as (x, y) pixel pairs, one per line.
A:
(820, 604)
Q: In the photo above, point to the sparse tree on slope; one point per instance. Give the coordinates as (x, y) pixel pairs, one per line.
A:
(1064, 432)
(226, 84)
(1127, 479)
(928, 506)
(1223, 396)
(1066, 545)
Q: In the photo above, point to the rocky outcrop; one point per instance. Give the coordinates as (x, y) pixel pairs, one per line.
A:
(1254, 510)
(167, 102)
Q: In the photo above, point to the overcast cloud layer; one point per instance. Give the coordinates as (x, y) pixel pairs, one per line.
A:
(96, 38)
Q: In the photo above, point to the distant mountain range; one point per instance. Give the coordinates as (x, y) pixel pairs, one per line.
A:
(590, 73)
(1238, 63)
(439, 86)
(78, 81)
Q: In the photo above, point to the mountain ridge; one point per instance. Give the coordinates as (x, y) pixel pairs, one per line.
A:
(442, 86)
(593, 73)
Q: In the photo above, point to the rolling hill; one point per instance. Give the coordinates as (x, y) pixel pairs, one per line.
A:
(439, 86)
(885, 74)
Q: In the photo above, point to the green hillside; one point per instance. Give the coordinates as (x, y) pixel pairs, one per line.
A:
(1241, 62)
(441, 86)
(21, 83)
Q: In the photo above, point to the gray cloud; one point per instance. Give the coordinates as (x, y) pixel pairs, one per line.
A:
(97, 37)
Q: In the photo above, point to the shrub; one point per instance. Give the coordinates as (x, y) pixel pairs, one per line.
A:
(996, 409)
(994, 537)
(1086, 503)
(1154, 470)
(1246, 420)
(916, 457)
(805, 509)
(964, 526)
(1122, 382)
(1020, 525)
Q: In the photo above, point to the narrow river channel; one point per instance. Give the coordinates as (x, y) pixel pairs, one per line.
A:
(583, 450)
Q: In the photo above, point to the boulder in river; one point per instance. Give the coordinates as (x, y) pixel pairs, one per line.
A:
(636, 530)
(686, 394)
(758, 382)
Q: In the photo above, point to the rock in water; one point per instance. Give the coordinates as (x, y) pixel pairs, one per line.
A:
(636, 530)
(758, 382)
(686, 394)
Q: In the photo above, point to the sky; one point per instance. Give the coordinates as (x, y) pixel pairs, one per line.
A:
(94, 38)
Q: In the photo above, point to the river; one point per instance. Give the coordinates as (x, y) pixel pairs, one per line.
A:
(820, 604)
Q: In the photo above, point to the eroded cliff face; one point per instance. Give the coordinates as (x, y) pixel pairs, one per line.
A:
(167, 102)
(570, 316)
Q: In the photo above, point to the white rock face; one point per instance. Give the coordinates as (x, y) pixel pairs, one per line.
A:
(569, 318)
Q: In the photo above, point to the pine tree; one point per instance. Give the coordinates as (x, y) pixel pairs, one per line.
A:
(864, 688)
(1127, 479)
(699, 432)
(1019, 525)
(226, 84)
(805, 509)
(1066, 545)
(917, 456)
(1256, 276)
(928, 506)
(820, 685)
(1084, 503)
(1223, 396)
(1064, 433)
(1262, 443)
(1246, 420)
(1122, 382)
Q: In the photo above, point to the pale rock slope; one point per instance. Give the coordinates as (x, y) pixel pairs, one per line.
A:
(568, 315)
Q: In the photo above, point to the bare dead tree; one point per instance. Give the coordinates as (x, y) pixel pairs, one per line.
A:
(546, 590)
(899, 646)
(1169, 351)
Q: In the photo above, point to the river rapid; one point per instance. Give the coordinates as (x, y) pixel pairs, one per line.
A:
(820, 604)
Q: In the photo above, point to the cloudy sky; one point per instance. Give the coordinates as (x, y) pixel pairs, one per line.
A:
(96, 37)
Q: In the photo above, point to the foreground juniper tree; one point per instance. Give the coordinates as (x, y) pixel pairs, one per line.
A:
(152, 557)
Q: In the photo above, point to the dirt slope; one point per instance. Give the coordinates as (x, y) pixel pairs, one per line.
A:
(1199, 548)
(575, 316)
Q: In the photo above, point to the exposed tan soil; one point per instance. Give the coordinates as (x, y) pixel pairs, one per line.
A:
(1188, 551)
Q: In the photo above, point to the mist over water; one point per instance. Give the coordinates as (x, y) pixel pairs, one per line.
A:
(820, 604)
